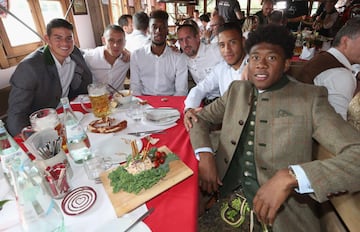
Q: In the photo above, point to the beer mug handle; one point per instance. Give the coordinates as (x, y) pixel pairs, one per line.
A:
(82, 99)
(26, 132)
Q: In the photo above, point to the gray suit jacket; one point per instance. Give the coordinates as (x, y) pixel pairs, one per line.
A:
(287, 121)
(35, 84)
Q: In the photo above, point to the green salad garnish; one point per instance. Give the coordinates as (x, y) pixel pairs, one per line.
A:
(121, 179)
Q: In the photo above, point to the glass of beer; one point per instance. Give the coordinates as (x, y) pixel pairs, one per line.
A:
(40, 120)
(99, 98)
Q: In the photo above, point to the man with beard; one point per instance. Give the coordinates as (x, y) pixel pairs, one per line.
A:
(221, 76)
(156, 69)
(53, 71)
(201, 58)
(109, 63)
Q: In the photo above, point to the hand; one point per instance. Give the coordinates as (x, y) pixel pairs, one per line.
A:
(265, 204)
(125, 55)
(190, 117)
(208, 177)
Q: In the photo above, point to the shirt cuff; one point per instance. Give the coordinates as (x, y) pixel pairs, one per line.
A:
(202, 149)
(302, 179)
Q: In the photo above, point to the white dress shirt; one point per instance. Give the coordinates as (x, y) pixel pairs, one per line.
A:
(165, 75)
(340, 83)
(66, 74)
(203, 63)
(102, 71)
(218, 80)
(137, 39)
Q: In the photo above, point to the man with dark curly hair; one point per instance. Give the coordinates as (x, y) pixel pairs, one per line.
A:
(263, 171)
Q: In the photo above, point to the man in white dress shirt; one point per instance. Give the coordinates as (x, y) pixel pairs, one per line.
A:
(201, 58)
(333, 69)
(139, 37)
(105, 62)
(219, 79)
(156, 69)
(126, 23)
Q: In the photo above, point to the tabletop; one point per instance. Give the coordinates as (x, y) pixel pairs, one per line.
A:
(175, 209)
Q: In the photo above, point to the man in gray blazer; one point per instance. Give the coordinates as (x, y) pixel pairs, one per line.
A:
(49, 73)
(265, 149)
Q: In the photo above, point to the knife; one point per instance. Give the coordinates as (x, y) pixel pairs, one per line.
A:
(142, 217)
(144, 132)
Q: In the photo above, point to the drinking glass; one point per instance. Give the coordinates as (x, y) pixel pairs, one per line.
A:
(99, 98)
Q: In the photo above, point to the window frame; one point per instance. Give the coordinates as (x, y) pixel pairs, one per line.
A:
(12, 55)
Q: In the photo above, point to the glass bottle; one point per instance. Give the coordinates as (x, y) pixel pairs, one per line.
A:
(37, 210)
(9, 150)
(77, 141)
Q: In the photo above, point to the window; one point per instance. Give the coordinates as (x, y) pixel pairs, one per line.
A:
(17, 39)
(115, 11)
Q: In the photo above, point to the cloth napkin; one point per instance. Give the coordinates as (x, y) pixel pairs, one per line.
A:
(307, 53)
(158, 114)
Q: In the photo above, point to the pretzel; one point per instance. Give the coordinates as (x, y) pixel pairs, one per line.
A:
(106, 125)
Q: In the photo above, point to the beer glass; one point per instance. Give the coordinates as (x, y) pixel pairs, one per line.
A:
(40, 120)
(99, 98)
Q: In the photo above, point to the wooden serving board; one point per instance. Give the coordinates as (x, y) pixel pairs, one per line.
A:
(124, 202)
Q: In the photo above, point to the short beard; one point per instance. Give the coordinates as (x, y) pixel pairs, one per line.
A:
(158, 44)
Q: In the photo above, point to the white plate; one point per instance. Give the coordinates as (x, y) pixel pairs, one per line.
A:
(117, 147)
(78, 115)
(162, 122)
(120, 224)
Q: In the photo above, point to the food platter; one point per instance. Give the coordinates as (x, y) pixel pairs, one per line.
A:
(124, 202)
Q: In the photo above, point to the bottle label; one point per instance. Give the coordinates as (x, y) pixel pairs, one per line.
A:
(6, 159)
(74, 132)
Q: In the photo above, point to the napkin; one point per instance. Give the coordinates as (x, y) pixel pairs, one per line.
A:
(158, 114)
(307, 53)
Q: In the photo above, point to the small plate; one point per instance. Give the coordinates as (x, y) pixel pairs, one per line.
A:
(78, 115)
(162, 122)
(120, 224)
(161, 116)
(118, 148)
(78, 200)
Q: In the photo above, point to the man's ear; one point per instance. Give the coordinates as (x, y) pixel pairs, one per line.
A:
(287, 65)
(103, 40)
(47, 39)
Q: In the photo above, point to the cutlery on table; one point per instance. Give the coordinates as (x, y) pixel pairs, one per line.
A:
(117, 91)
(142, 217)
(142, 133)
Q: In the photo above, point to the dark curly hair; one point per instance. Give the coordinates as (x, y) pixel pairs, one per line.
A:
(273, 34)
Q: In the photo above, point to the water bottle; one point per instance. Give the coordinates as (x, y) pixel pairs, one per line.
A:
(9, 150)
(77, 141)
(37, 210)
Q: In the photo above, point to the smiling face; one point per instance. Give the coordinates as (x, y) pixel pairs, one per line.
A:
(267, 64)
(114, 42)
(189, 42)
(231, 47)
(60, 42)
(158, 31)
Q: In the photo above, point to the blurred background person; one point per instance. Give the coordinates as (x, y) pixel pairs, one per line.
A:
(250, 24)
(126, 23)
(266, 9)
(211, 35)
(296, 11)
(230, 10)
(328, 22)
(277, 17)
(139, 37)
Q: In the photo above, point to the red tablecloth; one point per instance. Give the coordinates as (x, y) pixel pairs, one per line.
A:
(175, 209)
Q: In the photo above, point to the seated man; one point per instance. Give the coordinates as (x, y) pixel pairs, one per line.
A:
(139, 37)
(106, 62)
(155, 68)
(264, 162)
(54, 71)
(333, 70)
(211, 34)
(225, 72)
(201, 58)
(126, 23)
